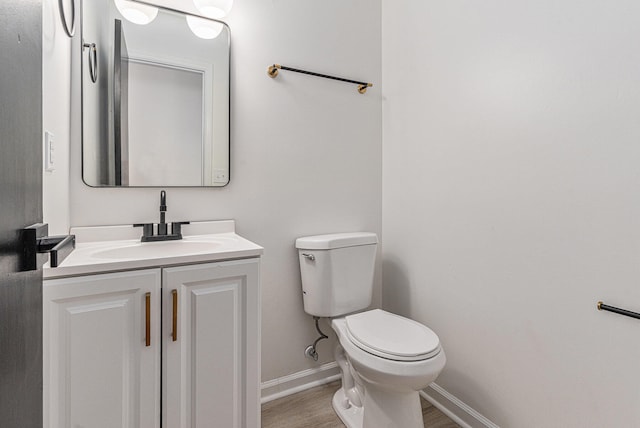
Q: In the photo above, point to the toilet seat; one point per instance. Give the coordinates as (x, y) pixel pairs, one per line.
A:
(391, 336)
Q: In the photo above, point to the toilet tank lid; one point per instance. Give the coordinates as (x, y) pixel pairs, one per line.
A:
(336, 240)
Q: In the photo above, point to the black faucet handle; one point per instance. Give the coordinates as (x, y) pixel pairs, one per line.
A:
(147, 229)
(176, 227)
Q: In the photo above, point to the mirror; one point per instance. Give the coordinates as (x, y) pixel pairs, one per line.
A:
(155, 97)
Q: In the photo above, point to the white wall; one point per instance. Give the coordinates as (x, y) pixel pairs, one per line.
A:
(56, 97)
(511, 195)
(305, 154)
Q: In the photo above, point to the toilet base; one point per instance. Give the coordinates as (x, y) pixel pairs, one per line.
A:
(384, 410)
(352, 417)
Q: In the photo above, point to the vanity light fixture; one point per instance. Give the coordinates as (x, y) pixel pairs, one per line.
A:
(215, 9)
(135, 12)
(204, 28)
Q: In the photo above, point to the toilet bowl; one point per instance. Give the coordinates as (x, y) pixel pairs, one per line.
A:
(385, 359)
(390, 359)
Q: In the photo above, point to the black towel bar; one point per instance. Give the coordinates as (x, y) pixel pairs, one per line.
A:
(272, 71)
(603, 307)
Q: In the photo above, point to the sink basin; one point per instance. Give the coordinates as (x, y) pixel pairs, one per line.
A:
(148, 250)
(101, 249)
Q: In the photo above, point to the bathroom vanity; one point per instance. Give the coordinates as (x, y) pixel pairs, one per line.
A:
(157, 334)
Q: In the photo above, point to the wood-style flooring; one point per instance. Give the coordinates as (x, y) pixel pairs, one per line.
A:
(312, 409)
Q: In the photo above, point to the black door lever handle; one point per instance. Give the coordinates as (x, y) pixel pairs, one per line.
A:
(37, 246)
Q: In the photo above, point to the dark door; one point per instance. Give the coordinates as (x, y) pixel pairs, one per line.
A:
(20, 206)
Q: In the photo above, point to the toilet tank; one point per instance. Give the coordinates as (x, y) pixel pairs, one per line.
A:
(337, 272)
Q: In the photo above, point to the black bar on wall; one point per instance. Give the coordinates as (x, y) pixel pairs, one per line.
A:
(273, 72)
(326, 76)
(631, 314)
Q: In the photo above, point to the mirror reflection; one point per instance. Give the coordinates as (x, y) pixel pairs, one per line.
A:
(155, 97)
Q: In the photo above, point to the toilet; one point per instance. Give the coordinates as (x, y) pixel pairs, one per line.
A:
(385, 359)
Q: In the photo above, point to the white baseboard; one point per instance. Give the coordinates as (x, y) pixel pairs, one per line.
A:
(455, 408)
(296, 382)
(447, 403)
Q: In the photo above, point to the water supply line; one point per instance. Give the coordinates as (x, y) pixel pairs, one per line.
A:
(310, 351)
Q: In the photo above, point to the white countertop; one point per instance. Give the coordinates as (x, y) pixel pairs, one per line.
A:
(117, 248)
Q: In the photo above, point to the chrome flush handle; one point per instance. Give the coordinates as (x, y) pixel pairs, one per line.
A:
(309, 257)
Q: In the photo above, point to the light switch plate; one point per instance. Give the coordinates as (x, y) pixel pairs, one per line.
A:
(220, 176)
(49, 152)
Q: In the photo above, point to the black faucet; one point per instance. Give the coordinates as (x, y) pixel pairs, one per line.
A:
(162, 226)
(162, 235)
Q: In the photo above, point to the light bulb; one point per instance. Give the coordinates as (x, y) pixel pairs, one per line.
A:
(135, 12)
(213, 8)
(204, 28)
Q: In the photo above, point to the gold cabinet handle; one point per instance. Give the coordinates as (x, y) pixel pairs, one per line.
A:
(174, 323)
(147, 330)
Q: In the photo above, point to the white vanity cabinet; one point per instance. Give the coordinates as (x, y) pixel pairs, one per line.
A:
(210, 349)
(200, 369)
(101, 362)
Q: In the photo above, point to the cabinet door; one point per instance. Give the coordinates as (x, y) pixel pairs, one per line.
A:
(100, 370)
(211, 361)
